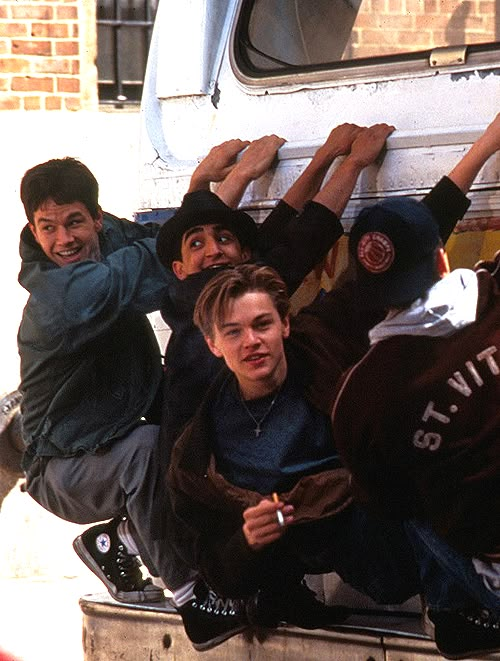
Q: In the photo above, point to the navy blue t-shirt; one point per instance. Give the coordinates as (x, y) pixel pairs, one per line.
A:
(295, 438)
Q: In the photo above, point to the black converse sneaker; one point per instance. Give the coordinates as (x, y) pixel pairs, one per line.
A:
(465, 633)
(104, 554)
(295, 604)
(210, 619)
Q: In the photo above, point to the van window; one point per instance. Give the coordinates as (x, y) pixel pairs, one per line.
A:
(274, 36)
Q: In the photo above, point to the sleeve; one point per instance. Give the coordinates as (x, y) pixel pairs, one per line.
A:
(303, 243)
(272, 228)
(77, 303)
(448, 205)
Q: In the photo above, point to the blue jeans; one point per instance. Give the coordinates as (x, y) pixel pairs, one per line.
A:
(371, 554)
(449, 580)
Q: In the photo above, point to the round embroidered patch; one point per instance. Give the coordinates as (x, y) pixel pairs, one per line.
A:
(103, 542)
(376, 252)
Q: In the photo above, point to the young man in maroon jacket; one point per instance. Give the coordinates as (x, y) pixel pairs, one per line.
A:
(417, 420)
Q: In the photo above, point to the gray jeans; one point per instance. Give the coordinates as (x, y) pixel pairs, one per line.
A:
(126, 478)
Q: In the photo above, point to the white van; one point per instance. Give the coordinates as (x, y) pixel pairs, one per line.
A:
(220, 69)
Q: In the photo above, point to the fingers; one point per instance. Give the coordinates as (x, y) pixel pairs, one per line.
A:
(259, 155)
(262, 525)
(341, 138)
(370, 142)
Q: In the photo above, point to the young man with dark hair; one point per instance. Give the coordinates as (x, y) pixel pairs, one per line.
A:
(91, 371)
(424, 446)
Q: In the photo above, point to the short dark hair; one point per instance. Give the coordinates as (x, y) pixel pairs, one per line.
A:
(230, 284)
(63, 180)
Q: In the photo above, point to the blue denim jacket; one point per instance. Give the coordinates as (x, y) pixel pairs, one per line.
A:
(90, 363)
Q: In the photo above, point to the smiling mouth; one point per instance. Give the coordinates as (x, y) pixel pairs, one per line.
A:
(254, 358)
(68, 253)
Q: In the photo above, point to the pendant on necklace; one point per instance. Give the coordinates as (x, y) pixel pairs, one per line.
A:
(257, 431)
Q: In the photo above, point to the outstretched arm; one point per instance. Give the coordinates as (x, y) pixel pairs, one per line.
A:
(447, 200)
(338, 143)
(216, 165)
(255, 161)
(306, 239)
(464, 173)
(365, 149)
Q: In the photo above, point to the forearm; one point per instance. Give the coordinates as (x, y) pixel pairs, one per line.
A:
(309, 182)
(464, 173)
(337, 191)
(232, 189)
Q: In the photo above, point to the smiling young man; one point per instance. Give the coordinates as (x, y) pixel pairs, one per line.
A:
(264, 428)
(90, 376)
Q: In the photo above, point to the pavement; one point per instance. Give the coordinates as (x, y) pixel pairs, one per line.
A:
(41, 582)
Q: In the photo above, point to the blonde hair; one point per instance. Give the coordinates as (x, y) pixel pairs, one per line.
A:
(215, 298)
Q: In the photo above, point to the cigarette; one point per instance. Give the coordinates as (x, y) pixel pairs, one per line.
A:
(279, 513)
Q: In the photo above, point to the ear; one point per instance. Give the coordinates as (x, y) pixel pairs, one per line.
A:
(98, 220)
(286, 326)
(178, 269)
(246, 254)
(33, 231)
(442, 263)
(212, 347)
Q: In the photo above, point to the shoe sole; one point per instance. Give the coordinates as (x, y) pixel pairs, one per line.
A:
(138, 597)
(213, 642)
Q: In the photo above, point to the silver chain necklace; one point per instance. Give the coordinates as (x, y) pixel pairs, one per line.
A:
(258, 423)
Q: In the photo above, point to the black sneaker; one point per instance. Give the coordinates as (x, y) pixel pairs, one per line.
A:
(296, 604)
(104, 554)
(210, 619)
(464, 633)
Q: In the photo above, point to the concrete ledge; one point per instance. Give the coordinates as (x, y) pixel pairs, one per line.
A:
(113, 631)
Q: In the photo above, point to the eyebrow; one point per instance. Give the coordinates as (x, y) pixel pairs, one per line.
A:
(260, 317)
(199, 228)
(72, 216)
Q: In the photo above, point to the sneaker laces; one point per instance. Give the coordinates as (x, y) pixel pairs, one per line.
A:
(218, 605)
(481, 618)
(129, 567)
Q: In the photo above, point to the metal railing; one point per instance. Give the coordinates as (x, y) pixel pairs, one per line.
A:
(123, 34)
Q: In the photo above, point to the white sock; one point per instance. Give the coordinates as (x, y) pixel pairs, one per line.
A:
(184, 594)
(123, 532)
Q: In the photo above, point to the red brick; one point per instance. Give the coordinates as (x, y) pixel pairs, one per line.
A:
(395, 6)
(72, 103)
(75, 67)
(54, 30)
(4, 12)
(430, 6)
(31, 47)
(32, 84)
(432, 22)
(51, 65)
(10, 103)
(67, 47)
(71, 85)
(33, 11)
(75, 31)
(32, 103)
(53, 102)
(381, 37)
(415, 40)
(414, 7)
(4, 47)
(14, 65)
(14, 30)
(67, 13)
(4, 84)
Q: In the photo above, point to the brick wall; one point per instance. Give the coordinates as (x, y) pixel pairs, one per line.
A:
(47, 55)
(397, 26)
